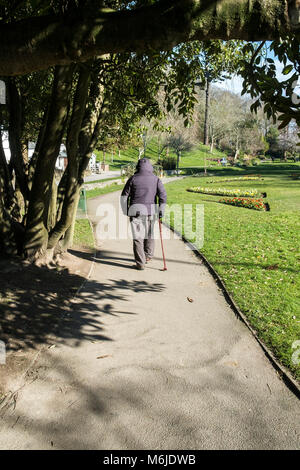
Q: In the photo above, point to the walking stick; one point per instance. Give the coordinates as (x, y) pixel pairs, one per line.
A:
(162, 246)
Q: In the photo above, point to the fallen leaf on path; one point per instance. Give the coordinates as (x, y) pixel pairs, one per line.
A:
(190, 300)
(103, 357)
(231, 363)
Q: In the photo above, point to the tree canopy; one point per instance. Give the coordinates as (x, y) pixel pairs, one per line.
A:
(36, 34)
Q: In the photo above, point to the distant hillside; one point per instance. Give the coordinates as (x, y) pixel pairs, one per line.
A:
(194, 158)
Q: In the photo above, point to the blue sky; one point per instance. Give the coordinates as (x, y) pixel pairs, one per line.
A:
(234, 84)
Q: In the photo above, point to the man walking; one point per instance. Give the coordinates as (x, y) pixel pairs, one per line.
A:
(138, 200)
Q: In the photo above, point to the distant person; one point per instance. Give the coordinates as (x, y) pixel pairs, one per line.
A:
(138, 201)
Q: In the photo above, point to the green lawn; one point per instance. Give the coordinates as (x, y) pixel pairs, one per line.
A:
(194, 158)
(83, 234)
(107, 189)
(257, 254)
(102, 180)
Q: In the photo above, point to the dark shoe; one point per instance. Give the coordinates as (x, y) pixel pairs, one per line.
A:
(140, 267)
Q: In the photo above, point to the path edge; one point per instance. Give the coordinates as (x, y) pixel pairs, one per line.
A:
(282, 371)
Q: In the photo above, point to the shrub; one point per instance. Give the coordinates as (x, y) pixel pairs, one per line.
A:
(168, 163)
(247, 161)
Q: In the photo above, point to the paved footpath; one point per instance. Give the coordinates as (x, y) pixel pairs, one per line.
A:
(141, 367)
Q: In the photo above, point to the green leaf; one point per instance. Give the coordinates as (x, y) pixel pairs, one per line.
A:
(285, 123)
(287, 69)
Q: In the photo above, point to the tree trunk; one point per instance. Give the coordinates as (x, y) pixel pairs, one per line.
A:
(33, 160)
(206, 114)
(67, 241)
(87, 138)
(8, 243)
(68, 210)
(52, 206)
(6, 177)
(24, 149)
(61, 190)
(36, 235)
(177, 163)
(15, 135)
(73, 183)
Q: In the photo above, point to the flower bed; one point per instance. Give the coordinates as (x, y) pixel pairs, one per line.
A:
(227, 192)
(236, 178)
(248, 203)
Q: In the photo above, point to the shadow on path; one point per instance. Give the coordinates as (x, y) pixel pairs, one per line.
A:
(108, 257)
(37, 304)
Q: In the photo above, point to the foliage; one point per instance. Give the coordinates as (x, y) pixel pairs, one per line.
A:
(192, 64)
(179, 143)
(260, 80)
(167, 163)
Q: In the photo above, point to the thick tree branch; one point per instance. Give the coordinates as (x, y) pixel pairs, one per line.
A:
(15, 131)
(36, 236)
(37, 43)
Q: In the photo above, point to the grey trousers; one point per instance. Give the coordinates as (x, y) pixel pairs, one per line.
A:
(143, 238)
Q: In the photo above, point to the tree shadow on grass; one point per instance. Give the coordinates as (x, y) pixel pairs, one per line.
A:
(284, 170)
(264, 267)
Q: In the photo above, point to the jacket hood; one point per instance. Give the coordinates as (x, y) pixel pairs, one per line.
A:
(144, 165)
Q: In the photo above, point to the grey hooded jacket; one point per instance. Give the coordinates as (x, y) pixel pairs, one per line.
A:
(141, 191)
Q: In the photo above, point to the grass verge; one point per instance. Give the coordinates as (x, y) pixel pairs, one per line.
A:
(107, 189)
(103, 180)
(83, 234)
